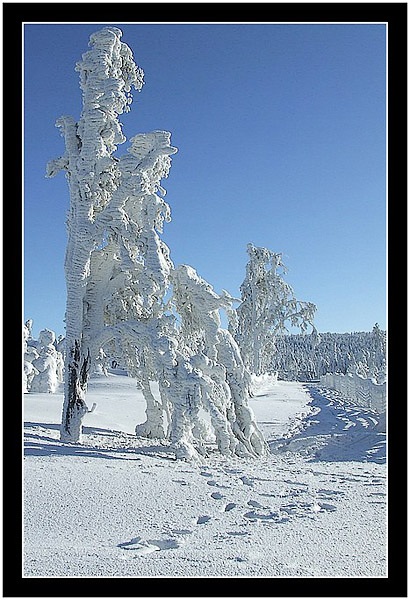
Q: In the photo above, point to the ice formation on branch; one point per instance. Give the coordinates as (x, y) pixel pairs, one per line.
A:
(267, 304)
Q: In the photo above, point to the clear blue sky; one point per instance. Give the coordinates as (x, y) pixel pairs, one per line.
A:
(281, 137)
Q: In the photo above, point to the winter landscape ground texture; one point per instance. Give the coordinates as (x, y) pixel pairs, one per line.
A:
(121, 506)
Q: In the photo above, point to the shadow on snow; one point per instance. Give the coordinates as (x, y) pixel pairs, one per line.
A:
(335, 430)
(39, 443)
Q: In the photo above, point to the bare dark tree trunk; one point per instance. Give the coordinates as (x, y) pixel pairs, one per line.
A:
(75, 408)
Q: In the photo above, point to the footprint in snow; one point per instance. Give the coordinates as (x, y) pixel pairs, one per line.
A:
(203, 519)
(216, 495)
(324, 493)
(295, 482)
(214, 483)
(329, 507)
(182, 531)
(139, 546)
(165, 544)
(290, 509)
(321, 506)
(246, 481)
(265, 516)
(205, 474)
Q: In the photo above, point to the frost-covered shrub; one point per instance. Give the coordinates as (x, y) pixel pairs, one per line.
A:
(30, 354)
(43, 363)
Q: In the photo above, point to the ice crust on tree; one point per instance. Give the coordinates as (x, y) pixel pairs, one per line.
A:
(29, 355)
(215, 370)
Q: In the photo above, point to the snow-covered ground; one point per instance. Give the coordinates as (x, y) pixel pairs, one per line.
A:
(121, 506)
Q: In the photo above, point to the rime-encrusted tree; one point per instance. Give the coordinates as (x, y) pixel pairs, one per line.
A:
(377, 358)
(43, 363)
(268, 305)
(132, 271)
(49, 364)
(29, 355)
(96, 220)
(213, 374)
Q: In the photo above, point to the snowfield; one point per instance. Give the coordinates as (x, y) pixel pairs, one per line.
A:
(121, 506)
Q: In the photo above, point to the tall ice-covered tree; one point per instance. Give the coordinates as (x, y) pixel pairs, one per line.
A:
(107, 74)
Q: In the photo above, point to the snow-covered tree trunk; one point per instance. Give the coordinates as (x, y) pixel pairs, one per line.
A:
(237, 376)
(154, 426)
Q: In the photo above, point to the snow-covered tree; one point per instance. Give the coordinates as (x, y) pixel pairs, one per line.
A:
(29, 355)
(43, 363)
(107, 74)
(377, 359)
(49, 364)
(268, 305)
(214, 371)
(202, 382)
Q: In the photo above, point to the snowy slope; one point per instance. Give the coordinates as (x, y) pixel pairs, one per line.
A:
(120, 506)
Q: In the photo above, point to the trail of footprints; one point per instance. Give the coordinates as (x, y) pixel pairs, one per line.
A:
(258, 511)
(297, 501)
